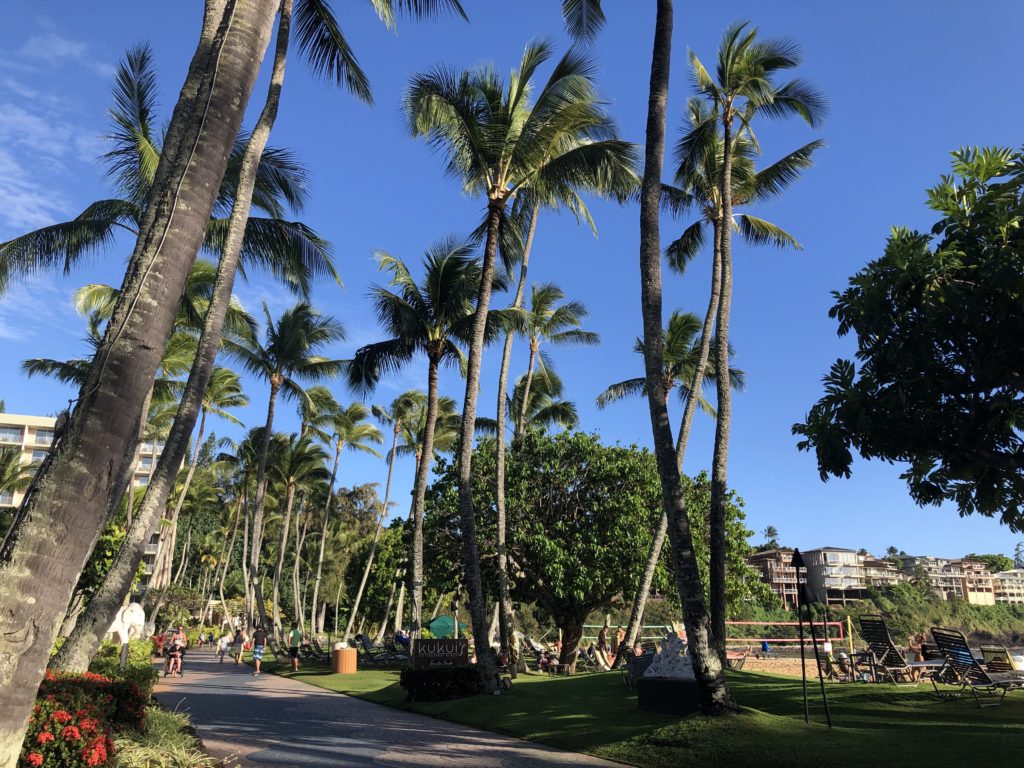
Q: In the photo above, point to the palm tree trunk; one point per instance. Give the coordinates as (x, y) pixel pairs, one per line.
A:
(173, 530)
(387, 613)
(715, 695)
(261, 491)
(185, 552)
(300, 541)
(227, 558)
(505, 601)
(467, 433)
(323, 537)
(657, 543)
(400, 604)
(420, 498)
(521, 421)
(376, 538)
(245, 560)
(72, 490)
(720, 460)
(279, 565)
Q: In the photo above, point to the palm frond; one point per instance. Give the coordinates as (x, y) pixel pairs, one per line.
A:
(322, 43)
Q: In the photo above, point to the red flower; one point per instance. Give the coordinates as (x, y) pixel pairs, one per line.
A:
(44, 737)
(71, 732)
(49, 676)
(61, 716)
(34, 758)
(96, 752)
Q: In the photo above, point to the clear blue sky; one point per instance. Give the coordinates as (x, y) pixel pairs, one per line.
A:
(907, 83)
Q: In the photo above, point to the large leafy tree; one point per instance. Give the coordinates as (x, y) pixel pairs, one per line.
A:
(744, 87)
(289, 353)
(73, 488)
(14, 477)
(499, 143)
(937, 320)
(431, 318)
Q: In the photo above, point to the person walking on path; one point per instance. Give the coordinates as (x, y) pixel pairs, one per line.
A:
(294, 642)
(259, 642)
(224, 644)
(237, 645)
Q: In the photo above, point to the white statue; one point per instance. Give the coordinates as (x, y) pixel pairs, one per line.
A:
(129, 624)
(672, 661)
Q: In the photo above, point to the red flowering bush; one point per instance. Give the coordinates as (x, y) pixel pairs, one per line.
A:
(66, 738)
(72, 721)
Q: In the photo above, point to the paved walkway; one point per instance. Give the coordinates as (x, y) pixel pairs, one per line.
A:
(275, 721)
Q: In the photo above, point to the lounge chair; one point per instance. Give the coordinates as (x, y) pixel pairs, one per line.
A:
(736, 659)
(998, 659)
(963, 670)
(635, 667)
(887, 662)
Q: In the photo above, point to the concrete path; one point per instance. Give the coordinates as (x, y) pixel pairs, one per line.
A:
(274, 721)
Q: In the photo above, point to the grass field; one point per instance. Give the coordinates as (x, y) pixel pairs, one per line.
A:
(876, 725)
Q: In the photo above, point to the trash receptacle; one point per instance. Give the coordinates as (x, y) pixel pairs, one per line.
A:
(343, 661)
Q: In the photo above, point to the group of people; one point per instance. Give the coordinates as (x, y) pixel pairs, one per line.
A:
(232, 643)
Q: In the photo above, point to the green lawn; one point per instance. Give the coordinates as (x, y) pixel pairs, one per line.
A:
(876, 725)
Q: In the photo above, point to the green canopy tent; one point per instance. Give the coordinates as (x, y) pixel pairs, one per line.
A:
(443, 627)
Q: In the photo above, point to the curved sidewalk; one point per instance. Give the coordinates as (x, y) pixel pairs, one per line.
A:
(275, 721)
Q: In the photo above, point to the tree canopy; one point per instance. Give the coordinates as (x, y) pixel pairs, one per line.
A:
(938, 320)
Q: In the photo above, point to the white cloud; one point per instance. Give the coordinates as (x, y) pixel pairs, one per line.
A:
(22, 308)
(26, 204)
(54, 49)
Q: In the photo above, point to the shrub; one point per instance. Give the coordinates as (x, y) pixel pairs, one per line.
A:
(440, 683)
(166, 743)
(139, 668)
(121, 704)
(64, 736)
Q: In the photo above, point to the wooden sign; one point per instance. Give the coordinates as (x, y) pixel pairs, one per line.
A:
(440, 653)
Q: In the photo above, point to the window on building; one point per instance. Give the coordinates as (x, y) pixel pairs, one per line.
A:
(147, 447)
(6, 498)
(146, 462)
(39, 454)
(159, 447)
(142, 480)
(44, 437)
(10, 435)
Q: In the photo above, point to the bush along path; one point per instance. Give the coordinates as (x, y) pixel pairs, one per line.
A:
(274, 721)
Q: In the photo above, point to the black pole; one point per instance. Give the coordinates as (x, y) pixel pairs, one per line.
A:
(817, 658)
(798, 563)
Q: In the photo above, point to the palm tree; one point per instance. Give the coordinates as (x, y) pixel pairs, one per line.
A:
(548, 321)
(394, 416)
(316, 410)
(771, 537)
(73, 488)
(743, 88)
(715, 697)
(289, 353)
(544, 409)
(685, 361)
(301, 465)
(499, 145)
(432, 318)
(349, 431)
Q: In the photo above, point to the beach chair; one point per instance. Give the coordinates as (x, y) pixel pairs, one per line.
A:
(736, 659)
(997, 659)
(635, 668)
(887, 662)
(965, 672)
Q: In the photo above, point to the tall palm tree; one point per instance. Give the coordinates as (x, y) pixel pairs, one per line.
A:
(743, 88)
(349, 431)
(316, 410)
(394, 416)
(686, 368)
(302, 465)
(72, 490)
(432, 317)
(558, 324)
(497, 145)
(715, 696)
(289, 353)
